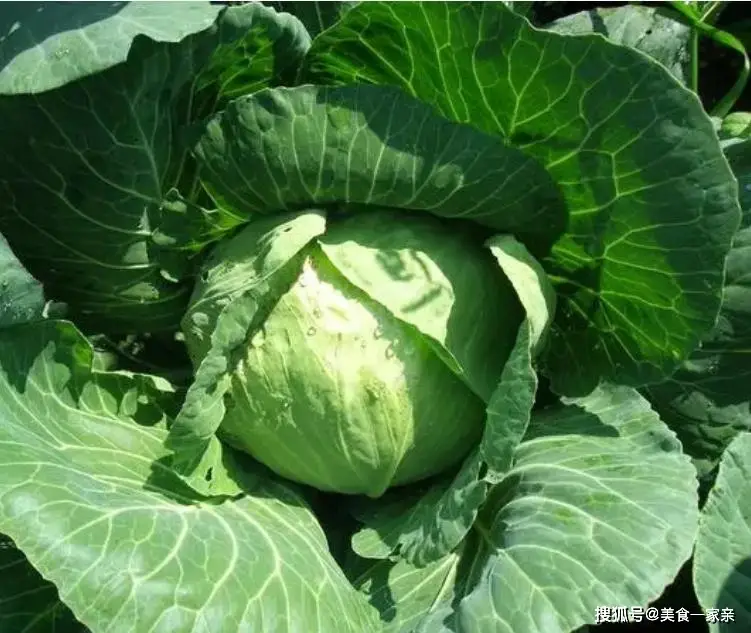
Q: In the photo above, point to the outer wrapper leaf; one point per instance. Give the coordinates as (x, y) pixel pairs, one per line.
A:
(240, 274)
(369, 145)
(410, 599)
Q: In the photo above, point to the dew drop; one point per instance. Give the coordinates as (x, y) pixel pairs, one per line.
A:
(390, 351)
(258, 339)
(371, 394)
(311, 331)
(378, 332)
(200, 319)
(317, 313)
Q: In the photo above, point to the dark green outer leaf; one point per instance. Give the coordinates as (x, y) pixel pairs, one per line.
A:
(289, 148)
(45, 45)
(708, 400)
(85, 167)
(651, 202)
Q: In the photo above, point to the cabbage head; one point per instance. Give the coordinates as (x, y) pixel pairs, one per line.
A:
(372, 352)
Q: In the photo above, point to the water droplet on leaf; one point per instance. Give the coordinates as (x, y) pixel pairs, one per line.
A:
(259, 338)
(371, 394)
(311, 331)
(200, 319)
